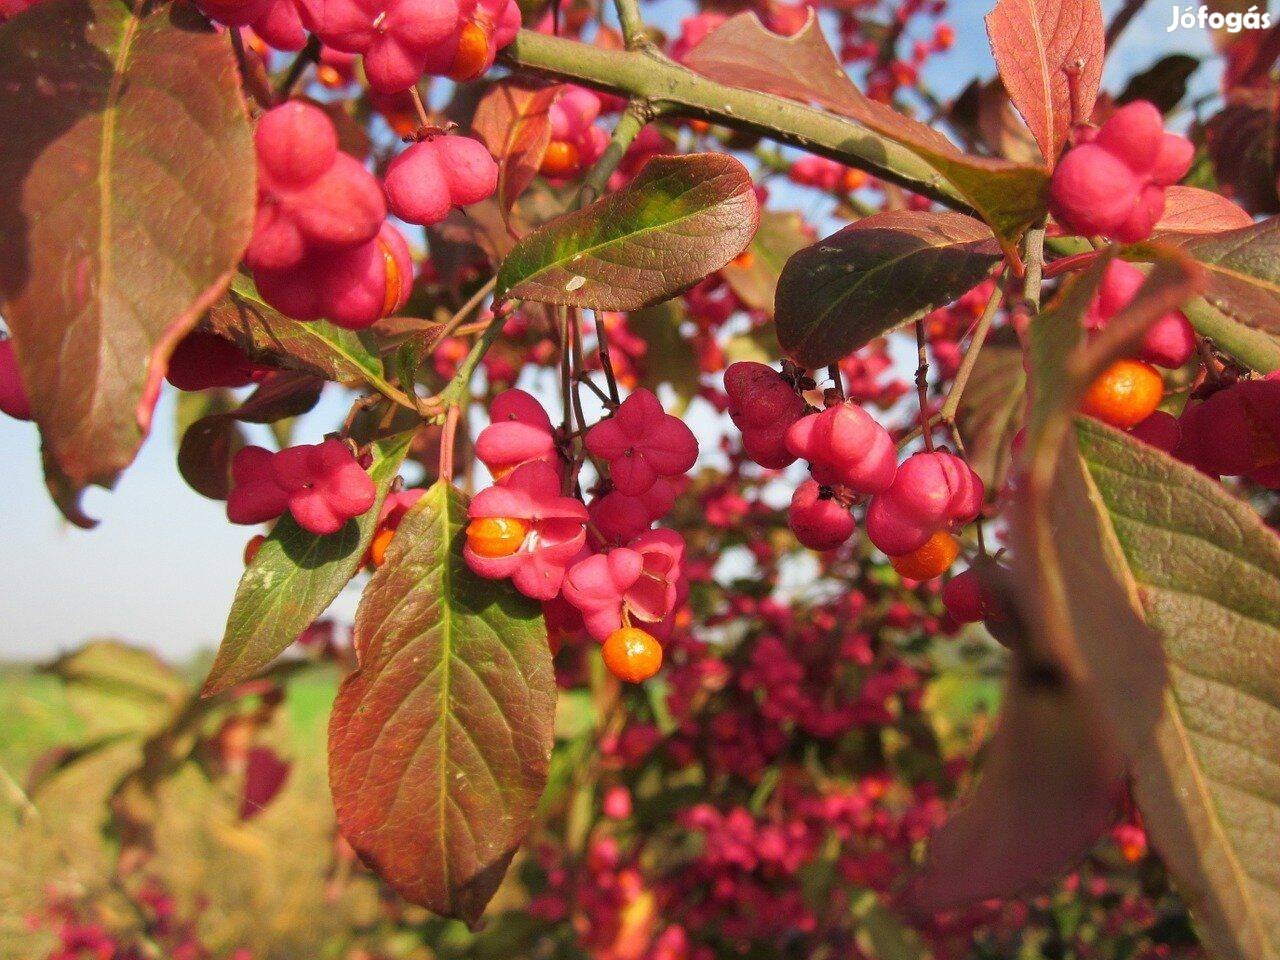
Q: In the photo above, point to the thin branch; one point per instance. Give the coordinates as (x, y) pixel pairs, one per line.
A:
(306, 56)
(1121, 20)
(602, 345)
(922, 384)
(671, 89)
(629, 19)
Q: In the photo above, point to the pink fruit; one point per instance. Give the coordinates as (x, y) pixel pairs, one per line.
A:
(641, 443)
(1114, 184)
(14, 400)
(353, 287)
(763, 406)
(640, 580)
(519, 432)
(433, 176)
(312, 198)
(202, 361)
(932, 492)
(967, 600)
(275, 21)
(620, 517)
(845, 446)
(256, 493)
(321, 484)
(556, 530)
(819, 523)
(1169, 342)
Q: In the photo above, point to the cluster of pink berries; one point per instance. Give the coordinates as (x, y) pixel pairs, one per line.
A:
(576, 141)
(913, 506)
(400, 41)
(1112, 183)
(527, 529)
(321, 245)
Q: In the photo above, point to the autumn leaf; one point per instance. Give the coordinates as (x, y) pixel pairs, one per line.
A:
(440, 743)
(1050, 55)
(126, 200)
(678, 221)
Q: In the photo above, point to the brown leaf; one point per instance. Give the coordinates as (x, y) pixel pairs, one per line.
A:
(512, 120)
(840, 293)
(126, 199)
(1036, 43)
(1050, 785)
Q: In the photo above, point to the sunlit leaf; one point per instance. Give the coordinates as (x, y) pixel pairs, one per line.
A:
(440, 743)
(512, 120)
(1036, 43)
(679, 220)
(1207, 570)
(1243, 267)
(126, 199)
(318, 348)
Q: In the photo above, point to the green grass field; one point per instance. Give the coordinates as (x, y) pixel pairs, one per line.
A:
(264, 880)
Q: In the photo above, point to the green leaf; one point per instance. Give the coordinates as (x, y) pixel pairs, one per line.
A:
(991, 409)
(126, 200)
(440, 744)
(754, 275)
(743, 53)
(678, 221)
(1243, 266)
(1206, 773)
(842, 292)
(669, 357)
(294, 578)
(318, 348)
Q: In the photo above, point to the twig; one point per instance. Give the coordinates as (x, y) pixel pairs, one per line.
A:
(467, 308)
(306, 56)
(1121, 20)
(602, 345)
(922, 384)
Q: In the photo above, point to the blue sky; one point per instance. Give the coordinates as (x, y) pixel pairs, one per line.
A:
(162, 566)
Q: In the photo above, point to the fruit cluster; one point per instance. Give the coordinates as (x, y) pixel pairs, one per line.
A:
(913, 507)
(598, 569)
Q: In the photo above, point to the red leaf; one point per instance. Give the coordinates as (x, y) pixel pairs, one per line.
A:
(513, 122)
(1192, 210)
(126, 199)
(264, 777)
(439, 744)
(1036, 43)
